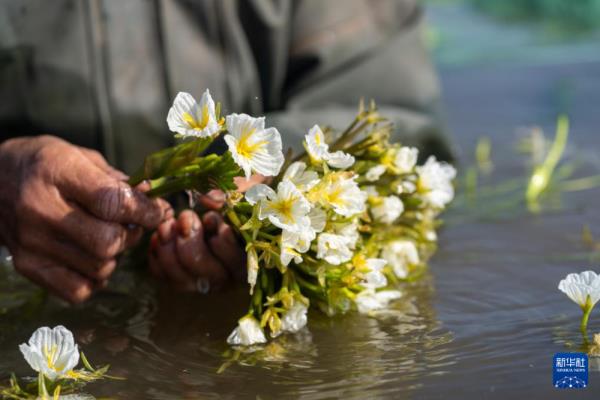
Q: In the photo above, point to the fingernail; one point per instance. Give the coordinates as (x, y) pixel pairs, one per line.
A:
(195, 225)
(170, 213)
(216, 195)
(165, 233)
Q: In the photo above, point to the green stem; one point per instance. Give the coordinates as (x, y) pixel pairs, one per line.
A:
(584, 320)
(235, 221)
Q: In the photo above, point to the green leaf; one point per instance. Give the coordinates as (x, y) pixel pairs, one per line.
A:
(203, 174)
(167, 161)
(86, 363)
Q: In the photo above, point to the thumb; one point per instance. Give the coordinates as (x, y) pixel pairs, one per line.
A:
(107, 197)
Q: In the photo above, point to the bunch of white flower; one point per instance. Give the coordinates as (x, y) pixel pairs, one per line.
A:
(338, 226)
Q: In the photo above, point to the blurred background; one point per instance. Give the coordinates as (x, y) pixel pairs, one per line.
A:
(508, 63)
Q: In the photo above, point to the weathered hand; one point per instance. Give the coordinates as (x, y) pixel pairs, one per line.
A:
(65, 214)
(196, 255)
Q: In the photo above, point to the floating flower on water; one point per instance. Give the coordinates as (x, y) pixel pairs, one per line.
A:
(389, 209)
(247, 333)
(299, 176)
(189, 118)
(335, 249)
(370, 300)
(254, 148)
(400, 254)
(341, 193)
(374, 173)
(435, 182)
(583, 289)
(406, 159)
(295, 318)
(52, 352)
(287, 208)
(318, 150)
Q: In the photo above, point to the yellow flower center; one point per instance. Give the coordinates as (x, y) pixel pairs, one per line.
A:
(284, 207)
(50, 355)
(245, 148)
(318, 139)
(334, 196)
(197, 125)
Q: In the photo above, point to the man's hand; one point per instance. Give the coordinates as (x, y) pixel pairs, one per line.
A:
(197, 255)
(65, 214)
(200, 255)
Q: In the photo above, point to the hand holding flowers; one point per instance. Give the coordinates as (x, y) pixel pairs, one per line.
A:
(336, 227)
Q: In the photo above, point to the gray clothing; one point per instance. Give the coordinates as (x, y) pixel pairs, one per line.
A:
(103, 73)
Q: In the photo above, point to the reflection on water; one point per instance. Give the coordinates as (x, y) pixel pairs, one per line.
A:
(170, 345)
(485, 321)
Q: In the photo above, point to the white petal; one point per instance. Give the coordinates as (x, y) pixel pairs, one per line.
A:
(247, 333)
(406, 159)
(316, 146)
(259, 192)
(339, 159)
(369, 300)
(333, 248)
(297, 174)
(400, 254)
(295, 318)
(579, 286)
(51, 351)
(374, 173)
(435, 181)
(389, 210)
(185, 105)
(318, 219)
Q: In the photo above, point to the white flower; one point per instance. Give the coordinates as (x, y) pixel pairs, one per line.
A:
(287, 209)
(406, 159)
(318, 219)
(374, 279)
(389, 210)
(581, 287)
(435, 182)
(371, 191)
(343, 195)
(374, 173)
(254, 148)
(318, 150)
(406, 187)
(52, 352)
(189, 118)
(334, 249)
(370, 300)
(399, 255)
(252, 266)
(247, 333)
(349, 231)
(293, 244)
(294, 319)
(299, 176)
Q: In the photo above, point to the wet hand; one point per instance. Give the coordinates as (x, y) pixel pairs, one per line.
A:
(65, 214)
(194, 254)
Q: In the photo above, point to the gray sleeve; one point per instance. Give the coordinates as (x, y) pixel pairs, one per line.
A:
(366, 49)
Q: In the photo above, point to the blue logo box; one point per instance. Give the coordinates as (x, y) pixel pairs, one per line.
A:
(570, 370)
